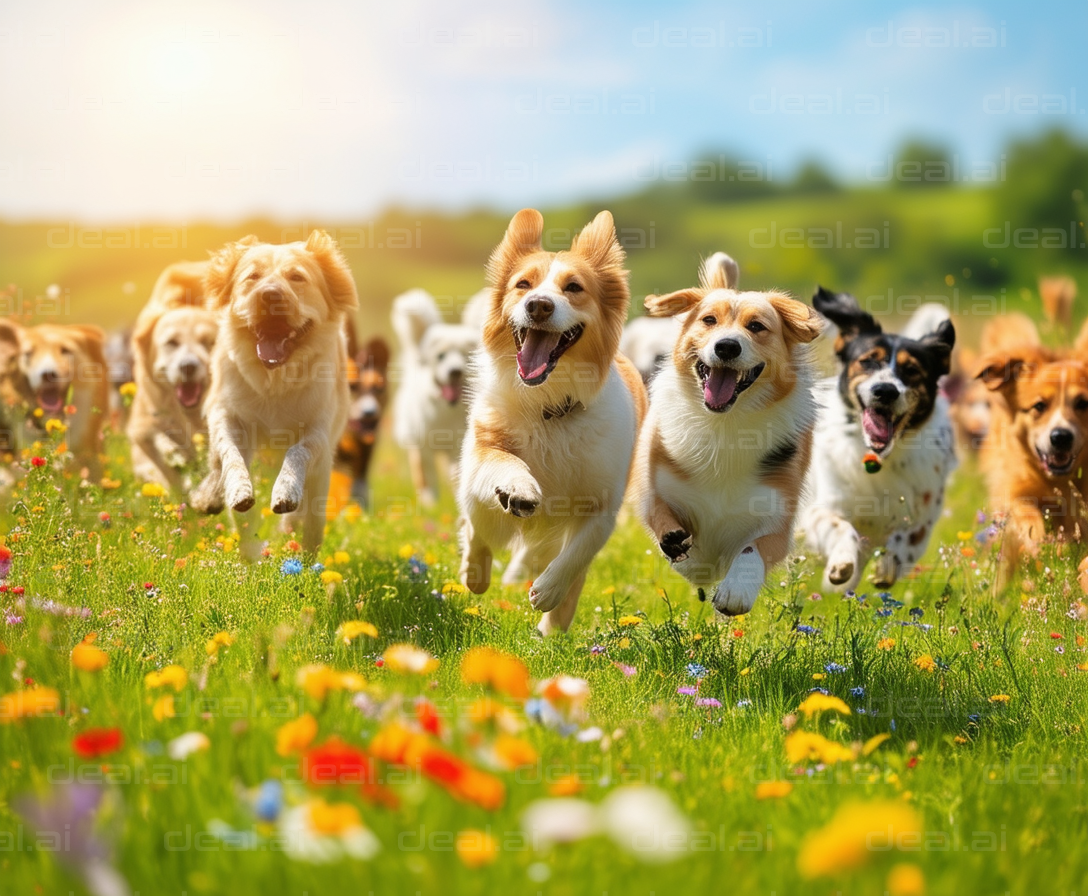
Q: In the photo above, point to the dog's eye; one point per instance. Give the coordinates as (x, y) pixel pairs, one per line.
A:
(253, 275)
(171, 343)
(574, 286)
(296, 277)
(756, 327)
(1080, 404)
(1039, 406)
(67, 351)
(522, 284)
(441, 356)
(710, 320)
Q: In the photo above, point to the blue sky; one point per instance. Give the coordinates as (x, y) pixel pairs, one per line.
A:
(124, 112)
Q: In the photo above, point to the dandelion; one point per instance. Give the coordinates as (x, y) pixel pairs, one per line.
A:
(870, 746)
(295, 736)
(476, 848)
(172, 676)
(1000, 698)
(926, 663)
(852, 834)
(163, 708)
(773, 790)
(500, 671)
(816, 703)
(349, 631)
(630, 620)
(885, 644)
(29, 703)
(96, 742)
(409, 658)
(88, 658)
(905, 879)
(807, 746)
(219, 639)
(152, 490)
(331, 577)
(318, 679)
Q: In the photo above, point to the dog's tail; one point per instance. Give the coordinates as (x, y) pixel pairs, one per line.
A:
(413, 313)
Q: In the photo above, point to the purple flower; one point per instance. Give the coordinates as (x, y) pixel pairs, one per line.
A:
(628, 671)
(980, 517)
(708, 701)
(1059, 649)
(597, 649)
(11, 619)
(687, 691)
(805, 629)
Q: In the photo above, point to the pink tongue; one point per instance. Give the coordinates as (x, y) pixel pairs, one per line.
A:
(535, 352)
(272, 349)
(877, 427)
(451, 393)
(720, 386)
(189, 394)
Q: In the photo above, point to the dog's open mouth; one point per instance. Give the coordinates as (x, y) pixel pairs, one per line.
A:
(540, 350)
(189, 393)
(880, 428)
(365, 428)
(51, 399)
(1056, 463)
(722, 385)
(277, 341)
(451, 391)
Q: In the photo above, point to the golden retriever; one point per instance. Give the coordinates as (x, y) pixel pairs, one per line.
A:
(279, 376)
(555, 415)
(171, 348)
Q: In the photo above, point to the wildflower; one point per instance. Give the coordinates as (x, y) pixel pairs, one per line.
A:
(885, 644)
(917, 612)
(597, 650)
(848, 839)
(295, 736)
(687, 691)
(52, 425)
(567, 694)
(219, 639)
(409, 658)
(859, 691)
(817, 703)
(819, 676)
(926, 663)
(163, 708)
(628, 671)
(320, 832)
(695, 670)
(37, 461)
(476, 848)
(1000, 698)
(88, 658)
(5, 561)
(128, 390)
(292, 546)
(349, 631)
(406, 551)
(341, 557)
(95, 742)
(905, 879)
(291, 567)
(568, 785)
(268, 800)
(152, 490)
(26, 704)
(514, 752)
(318, 679)
(873, 743)
(630, 620)
(805, 629)
(500, 671)
(183, 746)
(172, 676)
(773, 790)
(1057, 636)
(336, 762)
(834, 668)
(741, 704)
(488, 711)
(709, 702)
(807, 746)
(331, 577)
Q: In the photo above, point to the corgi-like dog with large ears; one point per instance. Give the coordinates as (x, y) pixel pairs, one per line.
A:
(554, 417)
(728, 436)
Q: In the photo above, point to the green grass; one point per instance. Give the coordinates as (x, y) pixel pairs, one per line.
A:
(999, 787)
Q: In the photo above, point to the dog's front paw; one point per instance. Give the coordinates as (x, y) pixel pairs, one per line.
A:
(286, 494)
(548, 590)
(239, 494)
(520, 498)
(676, 544)
(208, 496)
(736, 594)
(886, 570)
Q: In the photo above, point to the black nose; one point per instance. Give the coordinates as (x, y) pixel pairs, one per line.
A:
(539, 308)
(50, 376)
(455, 376)
(727, 349)
(1061, 439)
(885, 392)
(188, 368)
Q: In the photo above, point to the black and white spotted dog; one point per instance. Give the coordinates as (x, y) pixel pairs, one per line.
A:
(883, 446)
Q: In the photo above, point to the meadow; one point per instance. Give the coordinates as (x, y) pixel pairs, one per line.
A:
(176, 721)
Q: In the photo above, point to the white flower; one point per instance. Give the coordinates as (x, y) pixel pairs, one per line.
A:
(190, 742)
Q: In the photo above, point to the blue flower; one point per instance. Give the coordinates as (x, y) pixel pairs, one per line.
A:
(834, 668)
(884, 612)
(917, 612)
(823, 691)
(695, 670)
(892, 725)
(269, 800)
(743, 703)
(859, 691)
(291, 567)
(974, 717)
(805, 629)
(318, 568)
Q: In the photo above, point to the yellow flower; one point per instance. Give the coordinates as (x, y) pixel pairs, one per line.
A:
(220, 639)
(819, 676)
(472, 611)
(331, 577)
(409, 658)
(630, 620)
(1000, 698)
(128, 390)
(163, 708)
(88, 658)
(406, 551)
(964, 535)
(611, 589)
(296, 735)
(873, 742)
(25, 704)
(152, 490)
(349, 631)
(773, 790)
(171, 677)
(454, 588)
(318, 679)
(905, 879)
(807, 746)
(885, 644)
(816, 702)
(624, 643)
(476, 848)
(502, 671)
(926, 663)
(853, 834)
(513, 752)
(333, 818)
(55, 426)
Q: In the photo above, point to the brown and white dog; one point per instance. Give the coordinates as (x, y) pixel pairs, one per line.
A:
(1035, 456)
(171, 348)
(555, 414)
(727, 441)
(368, 368)
(62, 370)
(279, 376)
(15, 394)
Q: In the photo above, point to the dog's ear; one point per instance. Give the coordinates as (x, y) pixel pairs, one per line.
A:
(843, 310)
(1080, 344)
(799, 322)
(598, 244)
(141, 337)
(334, 267)
(999, 372)
(375, 355)
(719, 272)
(522, 237)
(219, 279)
(10, 337)
(673, 302)
(939, 344)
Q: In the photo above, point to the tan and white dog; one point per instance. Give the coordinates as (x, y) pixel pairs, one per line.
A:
(62, 369)
(279, 376)
(555, 414)
(728, 437)
(171, 349)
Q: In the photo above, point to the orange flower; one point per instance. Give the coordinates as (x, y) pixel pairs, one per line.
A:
(926, 663)
(476, 848)
(95, 742)
(88, 658)
(773, 790)
(885, 644)
(318, 679)
(25, 704)
(502, 671)
(296, 735)
(513, 752)
(568, 785)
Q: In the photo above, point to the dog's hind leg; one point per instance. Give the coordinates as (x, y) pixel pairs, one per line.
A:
(561, 617)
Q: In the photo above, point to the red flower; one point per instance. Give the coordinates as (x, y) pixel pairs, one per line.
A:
(95, 742)
(37, 461)
(1057, 636)
(148, 586)
(912, 762)
(18, 589)
(427, 716)
(335, 762)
